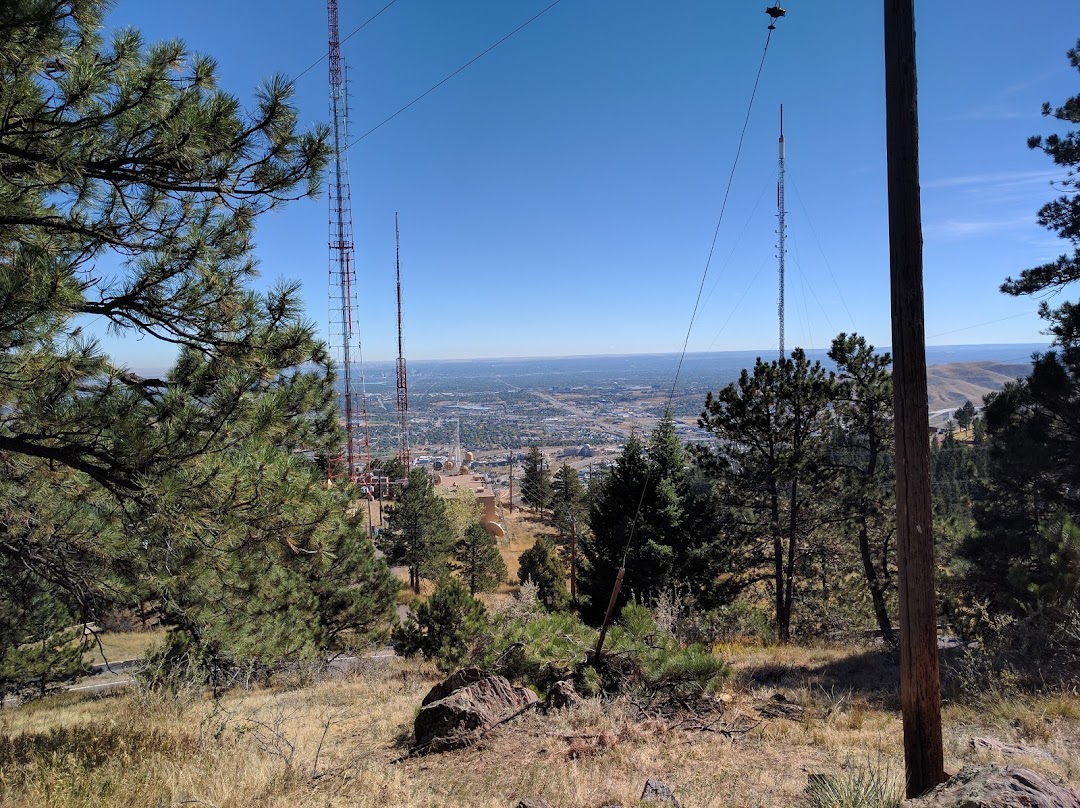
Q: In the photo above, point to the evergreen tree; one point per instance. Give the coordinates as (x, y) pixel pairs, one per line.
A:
(541, 565)
(478, 560)
(419, 533)
(188, 490)
(770, 470)
(536, 481)
(1033, 435)
(41, 640)
(569, 505)
(637, 513)
(866, 493)
(965, 415)
(447, 627)
(612, 517)
(978, 431)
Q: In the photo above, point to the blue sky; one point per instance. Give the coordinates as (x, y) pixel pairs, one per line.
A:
(560, 195)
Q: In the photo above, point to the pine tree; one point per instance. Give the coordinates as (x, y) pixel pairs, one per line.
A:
(189, 490)
(446, 628)
(478, 560)
(770, 471)
(536, 481)
(612, 516)
(637, 514)
(569, 507)
(41, 640)
(1033, 436)
(863, 406)
(965, 415)
(419, 533)
(541, 565)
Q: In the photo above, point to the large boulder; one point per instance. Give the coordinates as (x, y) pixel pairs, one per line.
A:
(456, 712)
(456, 681)
(995, 786)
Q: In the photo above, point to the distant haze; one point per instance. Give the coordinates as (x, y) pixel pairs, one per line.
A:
(718, 367)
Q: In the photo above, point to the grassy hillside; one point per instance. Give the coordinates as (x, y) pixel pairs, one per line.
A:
(787, 713)
(949, 386)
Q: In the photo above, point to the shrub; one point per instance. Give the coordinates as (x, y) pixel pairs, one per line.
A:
(449, 628)
(870, 785)
(639, 658)
(541, 565)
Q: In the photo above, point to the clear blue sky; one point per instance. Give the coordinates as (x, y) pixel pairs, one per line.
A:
(559, 196)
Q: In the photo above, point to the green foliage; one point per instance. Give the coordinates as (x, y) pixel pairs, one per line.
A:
(869, 785)
(39, 645)
(638, 658)
(965, 415)
(541, 565)
(862, 452)
(553, 646)
(390, 467)
(449, 628)
(1022, 557)
(659, 664)
(771, 474)
(1061, 215)
(536, 480)
(640, 506)
(419, 533)
(478, 560)
(569, 503)
(130, 187)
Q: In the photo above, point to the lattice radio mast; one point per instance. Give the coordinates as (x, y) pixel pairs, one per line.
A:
(781, 231)
(402, 379)
(344, 327)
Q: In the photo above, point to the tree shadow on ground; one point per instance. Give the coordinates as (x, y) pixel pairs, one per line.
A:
(874, 675)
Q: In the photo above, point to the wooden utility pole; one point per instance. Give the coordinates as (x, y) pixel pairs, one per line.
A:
(511, 457)
(920, 683)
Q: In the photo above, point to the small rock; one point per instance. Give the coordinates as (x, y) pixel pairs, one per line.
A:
(533, 802)
(1010, 749)
(995, 786)
(658, 793)
(562, 695)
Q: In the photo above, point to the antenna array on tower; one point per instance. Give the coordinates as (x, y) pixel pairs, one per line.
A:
(402, 381)
(344, 328)
(781, 231)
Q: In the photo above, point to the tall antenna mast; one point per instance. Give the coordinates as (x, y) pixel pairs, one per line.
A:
(402, 382)
(781, 231)
(344, 328)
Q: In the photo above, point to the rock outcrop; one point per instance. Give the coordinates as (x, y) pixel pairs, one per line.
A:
(457, 711)
(995, 786)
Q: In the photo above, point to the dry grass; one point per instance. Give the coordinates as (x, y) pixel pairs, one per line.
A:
(525, 528)
(340, 743)
(117, 646)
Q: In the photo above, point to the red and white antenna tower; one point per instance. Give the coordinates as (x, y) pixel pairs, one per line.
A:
(402, 379)
(344, 327)
(781, 231)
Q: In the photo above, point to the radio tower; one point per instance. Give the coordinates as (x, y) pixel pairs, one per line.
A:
(781, 231)
(344, 328)
(402, 383)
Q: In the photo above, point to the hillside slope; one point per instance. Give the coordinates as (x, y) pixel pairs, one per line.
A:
(949, 386)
